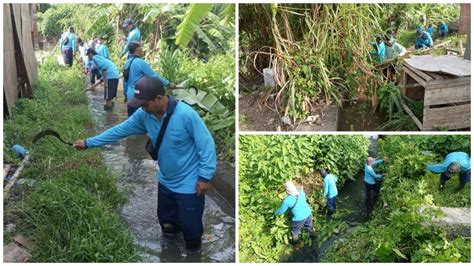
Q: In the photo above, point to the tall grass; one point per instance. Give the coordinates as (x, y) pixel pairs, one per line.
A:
(70, 213)
(319, 51)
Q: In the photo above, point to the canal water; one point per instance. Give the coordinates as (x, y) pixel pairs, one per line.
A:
(350, 209)
(136, 173)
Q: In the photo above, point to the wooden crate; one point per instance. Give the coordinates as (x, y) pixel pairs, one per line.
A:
(446, 98)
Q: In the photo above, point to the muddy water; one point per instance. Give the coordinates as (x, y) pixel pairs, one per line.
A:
(129, 161)
(351, 201)
(350, 209)
(360, 117)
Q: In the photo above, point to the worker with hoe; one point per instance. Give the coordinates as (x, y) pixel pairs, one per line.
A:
(184, 150)
(133, 36)
(296, 202)
(107, 67)
(135, 69)
(423, 39)
(67, 44)
(371, 181)
(330, 191)
(454, 163)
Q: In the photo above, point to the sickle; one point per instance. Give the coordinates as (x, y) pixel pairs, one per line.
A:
(49, 132)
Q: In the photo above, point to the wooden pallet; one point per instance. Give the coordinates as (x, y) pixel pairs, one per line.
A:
(446, 98)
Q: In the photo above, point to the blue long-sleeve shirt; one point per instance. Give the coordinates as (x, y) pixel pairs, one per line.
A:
(424, 40)
(139, 69)
(380, 53)
(454, 157)
(107, 65)
(103, 51)
(330, 188)
(133, 35)
(72, 43)
(300, 212)
(187, 151)
(443, 28)
(369, 174)
(430, 30)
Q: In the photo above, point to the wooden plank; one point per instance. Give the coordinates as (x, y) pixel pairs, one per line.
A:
(454, 82)
(412, 115)
(435, 75)
(453, 117)
(404, 83)
(435, 96)
(27, 48)
(9, 64)
(421, 73)
(413, 75)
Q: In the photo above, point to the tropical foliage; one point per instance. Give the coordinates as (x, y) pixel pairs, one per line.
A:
(190, 44)
(265, 163)
(396, 232)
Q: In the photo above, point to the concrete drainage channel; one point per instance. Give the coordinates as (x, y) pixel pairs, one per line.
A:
(130, 162)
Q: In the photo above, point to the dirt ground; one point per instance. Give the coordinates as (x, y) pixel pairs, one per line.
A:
(256, 117)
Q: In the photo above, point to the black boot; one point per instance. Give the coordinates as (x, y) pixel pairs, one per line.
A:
(193, 246)
(170, 231)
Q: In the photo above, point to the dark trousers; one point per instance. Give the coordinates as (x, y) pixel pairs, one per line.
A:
(464, 177)
(111, 91)
(368, 193)
(296, 226)
(331, 205)
(67, 56)
(180, 213)
(95, 75)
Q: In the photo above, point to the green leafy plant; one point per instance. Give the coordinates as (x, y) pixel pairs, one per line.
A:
(265, 163)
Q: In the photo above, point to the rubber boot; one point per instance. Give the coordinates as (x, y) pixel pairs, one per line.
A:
(169, 231)
(193, 246)
(108, 105)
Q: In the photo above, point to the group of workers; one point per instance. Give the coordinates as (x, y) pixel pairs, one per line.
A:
(296, 201)
(386, 47)
(98, 64)
(186, 154)
(424, 37)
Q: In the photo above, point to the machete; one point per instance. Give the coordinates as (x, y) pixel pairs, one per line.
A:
(49, 132)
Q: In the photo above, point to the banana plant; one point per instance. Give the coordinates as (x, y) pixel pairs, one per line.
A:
(207, 102)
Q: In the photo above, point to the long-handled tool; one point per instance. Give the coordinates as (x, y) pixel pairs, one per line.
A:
(50, 132)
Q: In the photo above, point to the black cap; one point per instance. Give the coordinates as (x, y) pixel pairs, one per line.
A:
(147, 88)
(127, 22)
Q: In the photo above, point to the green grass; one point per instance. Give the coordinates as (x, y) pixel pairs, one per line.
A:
(448, 197)
(71, 212)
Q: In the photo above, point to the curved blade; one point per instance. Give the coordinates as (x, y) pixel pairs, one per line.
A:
(49, 132)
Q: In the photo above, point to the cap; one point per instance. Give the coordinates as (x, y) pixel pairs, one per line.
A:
(127, 22)
(147, 88)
